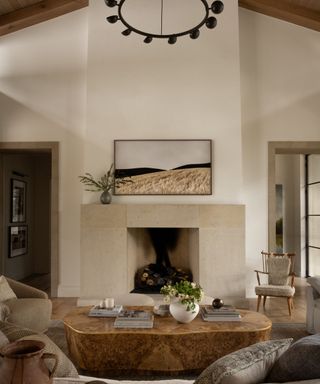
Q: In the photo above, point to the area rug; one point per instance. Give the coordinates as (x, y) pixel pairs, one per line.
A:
(288, 330)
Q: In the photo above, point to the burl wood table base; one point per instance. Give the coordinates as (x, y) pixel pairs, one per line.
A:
(170, 347)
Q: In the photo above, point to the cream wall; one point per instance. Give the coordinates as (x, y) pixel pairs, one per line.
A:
(157, 91)
(280, 97)
(43, 98)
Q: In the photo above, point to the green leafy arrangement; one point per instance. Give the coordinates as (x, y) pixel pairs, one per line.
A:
(187, 292)
(105, 183)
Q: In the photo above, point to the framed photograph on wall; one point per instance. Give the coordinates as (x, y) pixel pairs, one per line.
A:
(163, 167)
(18, 240)
(18, 201)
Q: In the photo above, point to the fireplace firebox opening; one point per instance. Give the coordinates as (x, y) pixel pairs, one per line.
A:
(153, 276)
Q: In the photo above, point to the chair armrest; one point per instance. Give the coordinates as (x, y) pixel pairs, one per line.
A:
(258, 277)
(292, 275)
(25, 291)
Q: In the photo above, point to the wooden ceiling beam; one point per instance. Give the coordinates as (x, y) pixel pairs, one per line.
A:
(286, 10)
(37, 13)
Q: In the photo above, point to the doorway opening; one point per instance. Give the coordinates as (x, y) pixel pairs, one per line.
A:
(298, 232)
(29, 212)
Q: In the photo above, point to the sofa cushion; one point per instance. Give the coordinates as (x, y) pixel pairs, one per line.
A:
(3, 340)
(274, 290)
(314, 281)
(4, 312)
(317, 303)
(299, 362)
(14, 332)
(246, 366)
(22, 313)
(6, 292)
(314, 381)
(65, 367)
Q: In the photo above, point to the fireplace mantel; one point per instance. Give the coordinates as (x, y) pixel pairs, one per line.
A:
(108, 255)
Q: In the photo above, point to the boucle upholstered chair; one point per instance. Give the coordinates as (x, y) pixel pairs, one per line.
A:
(279, 269)
(28, 307)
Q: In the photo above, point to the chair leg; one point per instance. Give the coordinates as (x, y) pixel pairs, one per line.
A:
(264, 301)
(258, 302)
(290, 304)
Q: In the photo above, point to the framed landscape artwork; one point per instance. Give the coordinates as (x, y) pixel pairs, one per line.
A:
(18, 240)
(18, 201)
(163, 167)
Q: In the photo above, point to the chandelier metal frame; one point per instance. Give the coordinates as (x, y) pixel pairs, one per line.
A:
(210, 21)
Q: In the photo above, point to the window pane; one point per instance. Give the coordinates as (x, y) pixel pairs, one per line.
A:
(314, 199)
(314, 262)
(314, 168)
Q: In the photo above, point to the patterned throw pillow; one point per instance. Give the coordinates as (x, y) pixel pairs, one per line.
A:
(6, 292)
(3, 340)
(246, 366)
(65, 367)
(299, 362)
(14, 332)
(4, 311)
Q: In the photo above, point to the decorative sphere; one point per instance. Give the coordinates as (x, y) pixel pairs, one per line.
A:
(217, 303)
(172, 39)
(211, 22)
(195, 34)
(148, 40)
(112, 19)
(111, 3)
(126, 32)
(217, 7)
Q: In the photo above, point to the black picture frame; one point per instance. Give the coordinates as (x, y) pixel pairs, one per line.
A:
(163, 167)
(18, 240)
(18, 201)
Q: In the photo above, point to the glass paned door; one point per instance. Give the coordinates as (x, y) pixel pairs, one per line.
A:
(313, 214)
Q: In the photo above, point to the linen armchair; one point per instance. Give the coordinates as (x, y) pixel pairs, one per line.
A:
(278, 267)
(31, 308)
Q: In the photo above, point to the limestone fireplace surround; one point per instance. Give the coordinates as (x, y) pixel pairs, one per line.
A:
(111, 250)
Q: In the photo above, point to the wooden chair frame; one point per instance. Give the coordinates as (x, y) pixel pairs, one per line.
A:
(265, 256)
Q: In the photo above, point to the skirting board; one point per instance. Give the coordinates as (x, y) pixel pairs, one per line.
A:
(68, 290)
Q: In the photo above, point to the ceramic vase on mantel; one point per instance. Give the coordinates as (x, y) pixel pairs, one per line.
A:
(105, 197)
(180, 313)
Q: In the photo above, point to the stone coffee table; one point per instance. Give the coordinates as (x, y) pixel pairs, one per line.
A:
(168, 348)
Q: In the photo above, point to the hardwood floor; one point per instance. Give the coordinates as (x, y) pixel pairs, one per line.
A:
(276, 308)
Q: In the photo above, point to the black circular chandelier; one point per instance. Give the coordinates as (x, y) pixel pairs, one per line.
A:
(210, 22)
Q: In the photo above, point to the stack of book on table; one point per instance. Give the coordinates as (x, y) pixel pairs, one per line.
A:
(134, 319)
(225, 313)
(97, 311)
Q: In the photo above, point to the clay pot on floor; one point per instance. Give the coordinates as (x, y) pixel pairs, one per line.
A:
(23, 363)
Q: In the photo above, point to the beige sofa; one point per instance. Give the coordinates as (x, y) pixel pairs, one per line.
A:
(31, 308)
(256, 364)
(93, 380)
(313, 304)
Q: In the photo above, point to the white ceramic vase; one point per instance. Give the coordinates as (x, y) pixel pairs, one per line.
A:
(180, 313)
